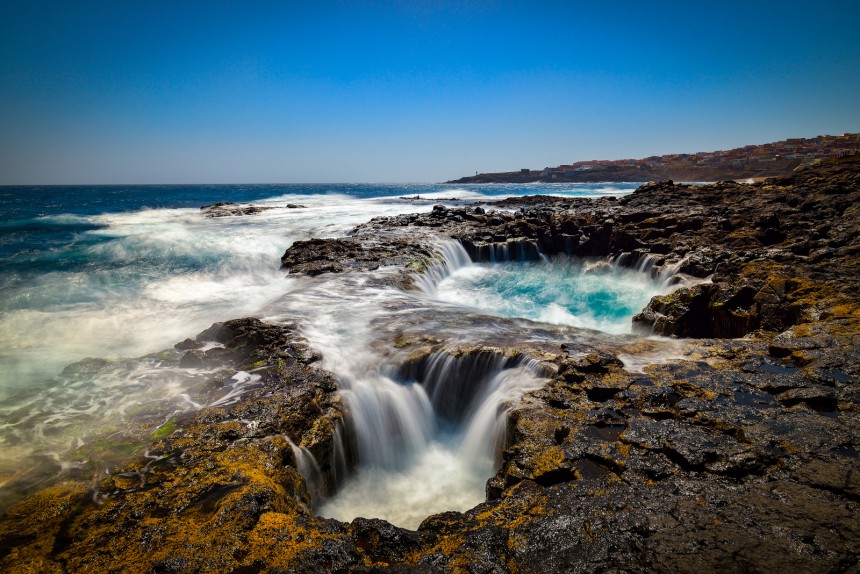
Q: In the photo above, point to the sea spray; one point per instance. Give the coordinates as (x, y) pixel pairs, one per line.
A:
(117, 272)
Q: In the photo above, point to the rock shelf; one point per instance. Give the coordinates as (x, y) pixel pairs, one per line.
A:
(741, 456)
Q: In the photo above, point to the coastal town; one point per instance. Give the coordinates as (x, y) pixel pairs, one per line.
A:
(747, 162)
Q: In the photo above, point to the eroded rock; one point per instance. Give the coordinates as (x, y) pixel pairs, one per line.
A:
(742, 456)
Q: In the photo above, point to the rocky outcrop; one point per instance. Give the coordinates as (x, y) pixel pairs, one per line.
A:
(215, 473)
(742, 456)
(230, 209)
(317, 256)
(759, 244)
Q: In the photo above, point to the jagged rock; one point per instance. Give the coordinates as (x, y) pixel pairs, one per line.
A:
(187, 345)
(88, 366)
(741, 457)
(192, 359)
(229, 208)
(684, 313)
(318, 256)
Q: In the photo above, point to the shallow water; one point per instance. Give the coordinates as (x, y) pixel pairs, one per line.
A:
(586, 294)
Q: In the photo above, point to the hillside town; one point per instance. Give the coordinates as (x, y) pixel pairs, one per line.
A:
(751, 161)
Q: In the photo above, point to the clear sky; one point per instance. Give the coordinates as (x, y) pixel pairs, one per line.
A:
(315, 91)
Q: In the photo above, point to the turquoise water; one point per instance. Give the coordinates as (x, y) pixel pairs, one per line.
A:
(587, 294)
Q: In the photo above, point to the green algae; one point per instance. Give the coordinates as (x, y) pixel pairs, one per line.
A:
(165, 430)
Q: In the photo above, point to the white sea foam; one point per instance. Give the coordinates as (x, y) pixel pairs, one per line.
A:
(162, 275)
(437, 480)
(157, 276)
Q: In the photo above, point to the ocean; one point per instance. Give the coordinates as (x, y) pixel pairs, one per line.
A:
(122, 272)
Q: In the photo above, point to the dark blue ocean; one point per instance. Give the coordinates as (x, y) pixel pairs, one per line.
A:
(45, 228)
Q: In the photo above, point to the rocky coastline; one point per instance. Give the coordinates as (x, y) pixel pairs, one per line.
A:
(615, 174)
(741, 456)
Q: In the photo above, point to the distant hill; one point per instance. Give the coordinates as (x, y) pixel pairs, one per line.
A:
(751, 161)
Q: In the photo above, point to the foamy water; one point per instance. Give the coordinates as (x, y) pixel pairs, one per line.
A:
(429, 445)
(122, 285)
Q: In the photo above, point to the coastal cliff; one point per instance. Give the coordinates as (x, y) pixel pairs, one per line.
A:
(742, 455)
(748, 162)
(623, 173)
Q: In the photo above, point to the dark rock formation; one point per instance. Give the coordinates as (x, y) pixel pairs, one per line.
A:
(214, 476)
(316, 256)
(742, 457)
(229, 208)
(761, 244)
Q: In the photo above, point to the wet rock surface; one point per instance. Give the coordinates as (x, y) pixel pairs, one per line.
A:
(743, 455)
(230, 209)
(317, 256)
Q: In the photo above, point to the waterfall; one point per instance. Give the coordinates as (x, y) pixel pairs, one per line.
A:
(308, 467)
(503, 251)
(390, 422)
(454, 257)
(393, 422)
(656, 266)
(428, 434)
(453, 383)
(339, 453)
(485, 429)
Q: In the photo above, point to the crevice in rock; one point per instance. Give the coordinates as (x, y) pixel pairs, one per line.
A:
(556, 476)
(611, 465)
(601, 394)
(557, 404)
(679, 460)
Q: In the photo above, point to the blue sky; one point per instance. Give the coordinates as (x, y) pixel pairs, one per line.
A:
(197, 92)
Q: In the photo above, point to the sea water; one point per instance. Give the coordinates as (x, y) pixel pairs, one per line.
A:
(587, 294)
(427, 446)
(118, 272)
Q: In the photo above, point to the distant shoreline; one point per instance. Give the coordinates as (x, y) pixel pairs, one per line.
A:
(743, 163)
(633, 175)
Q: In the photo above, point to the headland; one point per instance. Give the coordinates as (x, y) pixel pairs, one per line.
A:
(747, 162)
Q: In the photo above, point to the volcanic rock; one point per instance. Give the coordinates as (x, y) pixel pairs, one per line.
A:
(741, 456)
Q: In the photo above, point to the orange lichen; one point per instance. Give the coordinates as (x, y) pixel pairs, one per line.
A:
(38, 520)
(280, 539)
(548, 460)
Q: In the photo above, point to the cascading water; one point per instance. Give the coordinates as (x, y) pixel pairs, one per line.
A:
(454, 257)
(308, 467)
(424, 437)
(429, 442)
(171, 272)
(428, 435)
